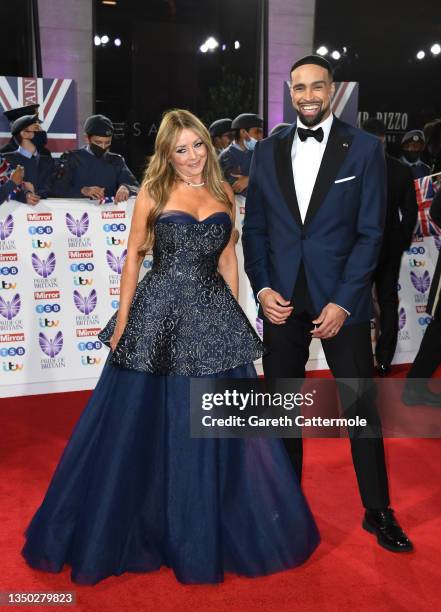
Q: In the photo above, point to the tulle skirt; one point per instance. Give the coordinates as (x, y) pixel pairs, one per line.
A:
(133, 492)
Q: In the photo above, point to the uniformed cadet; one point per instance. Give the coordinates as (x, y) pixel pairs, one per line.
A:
(221, 134)
(38, 168)
(40, 139)
(93, 171)
(236, 159)
(412, 146)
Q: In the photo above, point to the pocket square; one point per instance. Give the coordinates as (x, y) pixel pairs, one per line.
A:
(347, 178)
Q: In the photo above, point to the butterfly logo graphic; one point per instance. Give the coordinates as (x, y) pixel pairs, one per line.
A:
(116, 263)
(438, 242)
(421, 283)
(10, 309)
(77, 227)
(51, 348)
(44, 267)
(6, 227)
(85, 304)
(402, 318)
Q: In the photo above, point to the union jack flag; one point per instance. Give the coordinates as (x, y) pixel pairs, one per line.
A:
(426, 188)
(58, 110)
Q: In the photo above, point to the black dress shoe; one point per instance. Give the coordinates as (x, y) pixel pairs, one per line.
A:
(420, 397)
(389, 534)
(383, 370)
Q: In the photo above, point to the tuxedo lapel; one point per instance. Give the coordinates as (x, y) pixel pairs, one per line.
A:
(283, 162)
(337, 147)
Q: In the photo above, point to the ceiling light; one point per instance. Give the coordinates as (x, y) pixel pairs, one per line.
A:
(322, 50)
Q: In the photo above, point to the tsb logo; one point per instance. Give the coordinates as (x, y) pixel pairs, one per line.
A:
(416, 250)
(424, 320)
(82, 267)
(114, 304)
(114, 227)
(79, 281)
(12, 351)
(86, 360)
(47, 308)
(40, 230)
(41, 244)
(90, 346)
(49, 323)
(8, 270)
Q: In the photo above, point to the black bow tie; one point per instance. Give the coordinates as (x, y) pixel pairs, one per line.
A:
(304, 134)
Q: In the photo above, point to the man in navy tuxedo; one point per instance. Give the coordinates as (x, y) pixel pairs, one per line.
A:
(314, 220)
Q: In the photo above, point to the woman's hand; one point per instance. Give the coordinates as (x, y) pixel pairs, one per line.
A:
(116, 336)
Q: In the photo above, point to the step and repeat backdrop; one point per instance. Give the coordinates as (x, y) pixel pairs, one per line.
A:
(60, 270)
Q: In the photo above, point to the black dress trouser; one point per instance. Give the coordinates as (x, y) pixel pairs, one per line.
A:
(349, 355)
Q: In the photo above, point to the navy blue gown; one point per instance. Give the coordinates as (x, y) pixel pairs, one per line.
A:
(133, 491)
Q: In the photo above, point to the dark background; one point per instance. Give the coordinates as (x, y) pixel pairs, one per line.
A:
(159, 65)
(382, 39)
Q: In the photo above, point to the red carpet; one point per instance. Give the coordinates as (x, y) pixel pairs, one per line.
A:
(348, 571)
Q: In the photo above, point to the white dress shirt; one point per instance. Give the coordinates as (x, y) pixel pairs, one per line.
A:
(306, 158)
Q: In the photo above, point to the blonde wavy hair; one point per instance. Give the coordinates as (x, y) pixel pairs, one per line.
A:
(159, 176)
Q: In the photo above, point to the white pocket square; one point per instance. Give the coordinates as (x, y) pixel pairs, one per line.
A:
(348, 178)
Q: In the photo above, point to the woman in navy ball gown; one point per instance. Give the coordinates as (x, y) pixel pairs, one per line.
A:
(133, 491)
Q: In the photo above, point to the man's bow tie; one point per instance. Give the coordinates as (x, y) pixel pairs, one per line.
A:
(304, 134)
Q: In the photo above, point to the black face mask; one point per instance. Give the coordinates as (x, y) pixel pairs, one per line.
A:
(97, 150)
(412, 156)
(40, 139)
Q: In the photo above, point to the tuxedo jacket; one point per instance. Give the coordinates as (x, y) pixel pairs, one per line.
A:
(340, 239)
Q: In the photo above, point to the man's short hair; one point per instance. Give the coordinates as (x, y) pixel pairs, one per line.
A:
(374, 126)
(318, 60)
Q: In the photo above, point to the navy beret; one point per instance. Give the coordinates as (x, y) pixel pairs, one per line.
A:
(219, 127)
(246, 121)
(22, 123)
(98, 125)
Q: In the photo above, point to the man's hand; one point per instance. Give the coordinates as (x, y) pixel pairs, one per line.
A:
(240, 184)
(95, 193)
(275, 308)
(330, 320)
(17, 175)
(122, 194)
(29, 186)
(32, 198)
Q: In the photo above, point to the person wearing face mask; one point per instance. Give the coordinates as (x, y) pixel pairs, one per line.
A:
(412, 147)
(221, 134)
(40, 138)
(93, 171)
(38, 168)
(235, 160)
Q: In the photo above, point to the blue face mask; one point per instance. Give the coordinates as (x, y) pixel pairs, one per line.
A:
(250, 144)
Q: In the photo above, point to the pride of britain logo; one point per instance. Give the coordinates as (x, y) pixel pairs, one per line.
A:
(51, 348)
(6, 228)
(402, 318)
(78, 228)
(9, 310)
(85, 304)
(44, 268)
(421, 283)
(114, 262)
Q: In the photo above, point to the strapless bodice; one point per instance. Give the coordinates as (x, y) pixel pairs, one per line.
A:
(184, 318)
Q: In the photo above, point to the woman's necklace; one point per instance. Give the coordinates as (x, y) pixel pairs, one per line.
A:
(190, 184)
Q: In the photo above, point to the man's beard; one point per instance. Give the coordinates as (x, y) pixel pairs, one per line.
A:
(312, 121)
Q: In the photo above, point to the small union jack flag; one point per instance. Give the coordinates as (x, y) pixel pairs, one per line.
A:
(426, 188)
(57, 111)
